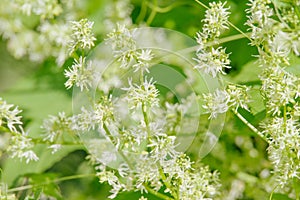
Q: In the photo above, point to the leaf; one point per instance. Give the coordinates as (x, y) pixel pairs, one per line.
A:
(256, 104)
(278, 196)
(249, 74)
(37, 104)
(45, 183)
(294, 67)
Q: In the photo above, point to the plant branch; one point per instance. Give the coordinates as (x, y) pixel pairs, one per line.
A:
(255, 130)
(66, 178)
(111, 138)
(158, 194)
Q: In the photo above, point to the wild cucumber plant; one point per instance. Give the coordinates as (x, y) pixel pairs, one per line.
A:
(132, 128)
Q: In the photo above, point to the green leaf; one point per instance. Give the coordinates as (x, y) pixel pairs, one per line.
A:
(37, 104)
(249, 74)
(278, 196)
(45, 183)
(256, 104)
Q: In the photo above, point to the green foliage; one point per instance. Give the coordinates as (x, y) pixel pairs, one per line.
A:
(256, 104)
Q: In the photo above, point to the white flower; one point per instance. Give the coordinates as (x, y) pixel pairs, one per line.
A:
(121, 40)
(143, 59)
(284, 151)
(279, 88)
(238, 96)
(163, 147)
(216, 19)
(82, 36)
(55, 126)
(213, 61)
(30, 156)
(118, 12)
(216, 103)
(20, 147)
(80, 74)
(142, 95)
(55, 148)
(88, 119)
(9, 116)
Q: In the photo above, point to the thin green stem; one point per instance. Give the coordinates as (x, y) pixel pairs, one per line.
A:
(163, 177)
(168, 8)
(166, 182)
(158, 194)
(271, 195)
(152, 14)
(6, 130)
(66, 178)
(111, 138)
(219, 41)
(249, 125)
(143, 12)
(146, 120)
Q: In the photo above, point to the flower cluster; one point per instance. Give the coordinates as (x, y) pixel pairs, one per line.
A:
(82, 35)
(50, 36)
(118, 12)
(275, 39)
(8, 116)
(284, 151)
(235, 96)
(279, 89)
(46, 9)
(20, 144)
(274, 31)
(80, 74)
(239, 96)
(144, 95)
(55, 126)
(125, 50)
(212, 60)
(216, 103)
(137, 147)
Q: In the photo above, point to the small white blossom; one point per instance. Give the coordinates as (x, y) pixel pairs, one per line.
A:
(55, 126)
(20, 147)
(142, 95)
(55, 148)
(143, 59)
(216, 19)
(238, 96)
(118, 12)
(82, 36)
(9, 116)
(163, 147)
(213, 61)
(80, 74)
(112, 180)
(30, 156)
(88, 120)
(279, 88)
(121, 40)
(45, 8)
(216, 103)
(284, 151)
